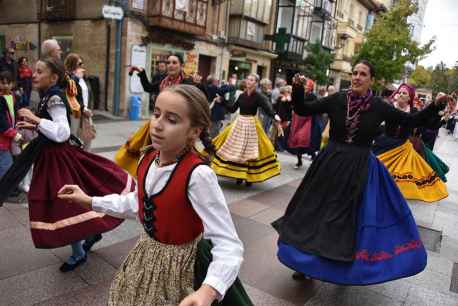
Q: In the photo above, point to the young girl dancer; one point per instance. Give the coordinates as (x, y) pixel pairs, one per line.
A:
(58, 161)
(244, 151)
(178, 200)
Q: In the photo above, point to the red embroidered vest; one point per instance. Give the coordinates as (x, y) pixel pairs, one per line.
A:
(168, 216)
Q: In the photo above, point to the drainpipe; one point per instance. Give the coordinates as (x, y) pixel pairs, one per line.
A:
(118, 60)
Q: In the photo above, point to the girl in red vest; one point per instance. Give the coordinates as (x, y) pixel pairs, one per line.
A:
(178, 201)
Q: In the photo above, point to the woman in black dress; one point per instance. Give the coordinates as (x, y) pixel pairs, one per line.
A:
(348, 223)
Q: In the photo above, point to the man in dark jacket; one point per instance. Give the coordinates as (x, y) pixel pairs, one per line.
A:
(7, 63)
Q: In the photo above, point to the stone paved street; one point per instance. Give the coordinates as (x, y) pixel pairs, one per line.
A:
(29, 276)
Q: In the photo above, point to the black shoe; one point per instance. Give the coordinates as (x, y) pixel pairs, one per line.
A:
(66, 267)
(248, 184)
(87, 245)
(239, 182)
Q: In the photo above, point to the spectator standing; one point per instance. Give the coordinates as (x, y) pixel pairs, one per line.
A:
(266, 90)
(157, 77)
(51, 48)
(7, 63)
(25, 80)
(8, 133)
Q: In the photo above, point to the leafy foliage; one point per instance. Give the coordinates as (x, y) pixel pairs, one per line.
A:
(389, 45)
(421, 77)
(317, 63)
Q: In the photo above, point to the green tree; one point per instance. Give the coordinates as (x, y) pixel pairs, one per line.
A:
(452, 79)
(439, 78)
(389, 45)
(421, 77)
(317, 63)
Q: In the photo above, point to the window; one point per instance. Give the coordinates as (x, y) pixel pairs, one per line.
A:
(138, 4)
(66, 44)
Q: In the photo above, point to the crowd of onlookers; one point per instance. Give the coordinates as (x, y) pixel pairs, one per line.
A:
(16, 81)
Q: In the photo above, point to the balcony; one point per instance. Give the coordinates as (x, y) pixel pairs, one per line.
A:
(323, 8)
(191, 19)
(58, 10)
(344, 30)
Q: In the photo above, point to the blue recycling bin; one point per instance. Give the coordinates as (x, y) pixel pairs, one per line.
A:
(135, 108)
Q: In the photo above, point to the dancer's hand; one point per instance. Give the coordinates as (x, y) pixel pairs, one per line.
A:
(202, 297)
(73, 193)
(26, 125)
(28, 116)
(441, 99)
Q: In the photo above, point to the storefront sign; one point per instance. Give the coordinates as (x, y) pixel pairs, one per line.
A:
(112, 12)
(138, 58)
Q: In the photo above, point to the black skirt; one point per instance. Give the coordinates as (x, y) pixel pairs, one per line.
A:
(321, 218)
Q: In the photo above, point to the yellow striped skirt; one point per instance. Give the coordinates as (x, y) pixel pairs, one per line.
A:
(243, 151)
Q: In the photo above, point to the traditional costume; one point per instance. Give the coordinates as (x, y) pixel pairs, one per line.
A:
(129, 153)
(57, 162)
(348, 223)
(304, 134)
(402, 153)
(178, 205)
(243, 150)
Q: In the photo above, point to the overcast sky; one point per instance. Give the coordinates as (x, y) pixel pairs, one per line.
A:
(441, 20)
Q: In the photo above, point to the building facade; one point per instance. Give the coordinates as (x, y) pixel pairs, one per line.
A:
(354, 19)
(215, 37)
(299, 23)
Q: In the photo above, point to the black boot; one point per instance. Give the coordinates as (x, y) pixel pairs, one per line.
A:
(87, 245)
(299, 162)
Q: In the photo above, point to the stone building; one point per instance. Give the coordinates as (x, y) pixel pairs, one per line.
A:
(354, 19)
(215, 37)
(298, 24)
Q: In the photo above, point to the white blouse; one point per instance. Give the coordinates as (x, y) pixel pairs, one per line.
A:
(209, 203)
(57, 129)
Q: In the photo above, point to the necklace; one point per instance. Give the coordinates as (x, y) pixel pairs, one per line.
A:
(157, 161)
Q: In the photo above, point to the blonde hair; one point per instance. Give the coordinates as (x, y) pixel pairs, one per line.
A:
(199, 111)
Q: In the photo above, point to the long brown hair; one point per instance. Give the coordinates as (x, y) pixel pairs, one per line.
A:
(71, 62)
(199, 111)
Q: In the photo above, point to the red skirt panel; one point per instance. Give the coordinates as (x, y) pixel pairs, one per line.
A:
(300, 133)
(55, 222)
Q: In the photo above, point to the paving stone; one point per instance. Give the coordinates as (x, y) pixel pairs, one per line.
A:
(37, 286)
(431, 280)
(96, 270)
(439, 264)
(421, 296)
(423, 212)
(115, 254)
(20, 213)
(431, 238)
(247, 208)
(268, 216)
(19, 255)
(251, 231)
(449, 248)
(259, 297)
(398, 289)
(331, 295)
(95, 295)
(262, 269)
(7, 220)
(273, 198)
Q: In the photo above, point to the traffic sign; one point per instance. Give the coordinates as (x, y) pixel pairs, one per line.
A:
(112, 12)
